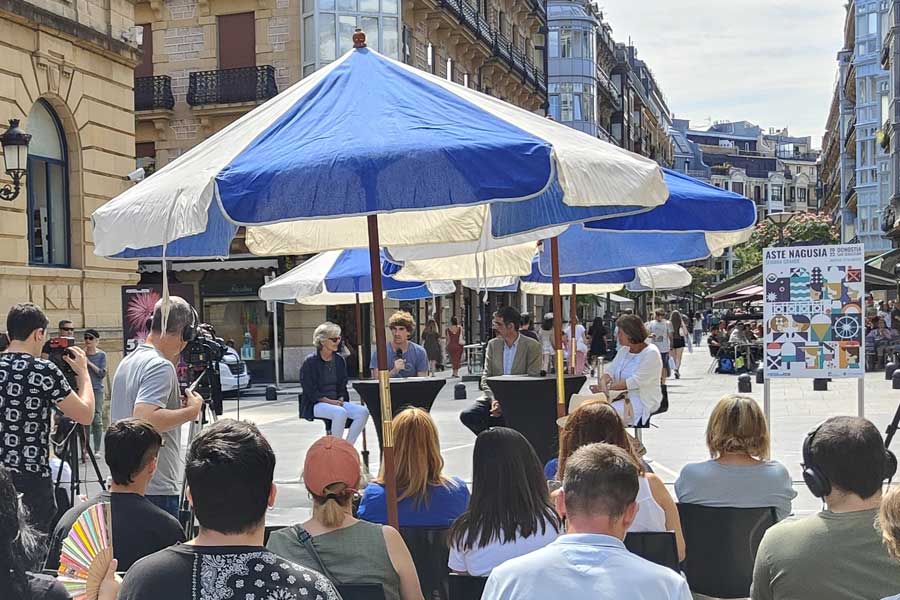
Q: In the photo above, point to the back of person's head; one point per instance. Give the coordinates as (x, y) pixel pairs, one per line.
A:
(21, 547)
(849, 453)
(509, 493)
(737, 424)
(230, 468)
(888, 522)
(454, 321)
(547, 323)
(23, 319)
(509, 315)
(131, 444)
(431, 326)
(331, 475)
(590, 423)
(675, 318)
(633, 328)
(181, 315)
(525, 319)
(417, 452)
(601, 480)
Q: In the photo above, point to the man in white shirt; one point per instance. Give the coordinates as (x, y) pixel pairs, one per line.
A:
(590, 561)
(661, 333)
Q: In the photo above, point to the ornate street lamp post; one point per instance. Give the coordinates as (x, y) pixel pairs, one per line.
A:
(14, 143)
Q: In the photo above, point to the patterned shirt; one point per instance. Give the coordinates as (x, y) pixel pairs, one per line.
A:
(29, 387)
(186, 572)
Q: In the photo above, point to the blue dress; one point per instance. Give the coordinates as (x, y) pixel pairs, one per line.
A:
(445, 504)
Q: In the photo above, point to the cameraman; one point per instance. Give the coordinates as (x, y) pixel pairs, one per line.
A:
(146, 387)
(29, 387)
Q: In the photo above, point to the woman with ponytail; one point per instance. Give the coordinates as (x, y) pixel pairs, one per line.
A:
(346, 550)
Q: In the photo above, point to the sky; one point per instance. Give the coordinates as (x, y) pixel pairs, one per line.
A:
(770, 62)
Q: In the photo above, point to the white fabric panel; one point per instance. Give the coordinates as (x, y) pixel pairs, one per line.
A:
(565, 289)
(662, 277)
(511, 261)
(307, 279)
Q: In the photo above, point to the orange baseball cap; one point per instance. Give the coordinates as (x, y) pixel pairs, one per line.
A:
(331, 460)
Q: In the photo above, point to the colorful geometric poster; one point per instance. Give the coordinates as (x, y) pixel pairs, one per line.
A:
(813, 318)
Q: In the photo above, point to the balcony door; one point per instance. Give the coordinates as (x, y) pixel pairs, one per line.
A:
(237, 40)
(145, 68)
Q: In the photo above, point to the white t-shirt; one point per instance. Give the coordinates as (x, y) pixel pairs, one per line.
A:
(580, 346)
(661, 334)
(641, 373)
(481, 561)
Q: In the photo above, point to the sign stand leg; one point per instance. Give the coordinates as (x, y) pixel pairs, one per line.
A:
(767, 403)
(861, 396)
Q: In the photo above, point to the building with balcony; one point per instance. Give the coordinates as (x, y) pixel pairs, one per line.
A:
(890, 121)
(66, 74)
(572, 64)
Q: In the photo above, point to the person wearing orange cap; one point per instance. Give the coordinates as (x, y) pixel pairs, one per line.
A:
(348, 551)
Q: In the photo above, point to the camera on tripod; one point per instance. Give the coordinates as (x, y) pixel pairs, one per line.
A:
(202, 356)
(57, 348)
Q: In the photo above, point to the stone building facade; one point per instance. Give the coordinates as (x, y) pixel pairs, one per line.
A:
(66, 74)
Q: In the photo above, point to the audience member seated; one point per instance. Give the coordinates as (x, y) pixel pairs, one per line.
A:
(739, 473)
(739, 334)
(599, 503)
(510, 512)
(346, 550)
(880, 339)
(836, 553)
(21, 551)
(715, 340)
(425, 497)
(229, 470)
(599, 422)
(139, 527)
(889, 524)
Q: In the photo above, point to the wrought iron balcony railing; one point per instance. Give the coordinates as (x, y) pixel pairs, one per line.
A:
(246, 84)
(153, 93)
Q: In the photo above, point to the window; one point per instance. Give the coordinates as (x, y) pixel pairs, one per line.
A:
(738, 187)
(554, 106)
(236, 40)
(757, 193)
(553, 44)
(449, 69)
(801, 194)
(145, 67)
(565, 43)
(48, 189)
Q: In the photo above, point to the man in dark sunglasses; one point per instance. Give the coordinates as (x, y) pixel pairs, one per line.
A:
(65, 329)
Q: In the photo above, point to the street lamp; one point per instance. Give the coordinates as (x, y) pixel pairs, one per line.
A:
(14, 143)
(780, 219)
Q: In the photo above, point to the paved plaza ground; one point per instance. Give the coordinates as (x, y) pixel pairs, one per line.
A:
(676, 439)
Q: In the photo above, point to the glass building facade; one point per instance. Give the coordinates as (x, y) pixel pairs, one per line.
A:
(328, 27)
(571, 55)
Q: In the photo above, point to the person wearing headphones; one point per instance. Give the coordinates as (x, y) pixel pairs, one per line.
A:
(146, 387)
(837, 552)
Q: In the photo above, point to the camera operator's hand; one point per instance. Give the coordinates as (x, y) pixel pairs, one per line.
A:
(77, 359)
(193, 400)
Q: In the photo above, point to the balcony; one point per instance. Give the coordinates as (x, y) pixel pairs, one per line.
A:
(153, 93)
(232, 86)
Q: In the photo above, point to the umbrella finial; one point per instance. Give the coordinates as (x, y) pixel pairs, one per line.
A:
(359, 38)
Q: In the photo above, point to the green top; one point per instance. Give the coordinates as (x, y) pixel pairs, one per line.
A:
(353, 555)
(824, 556)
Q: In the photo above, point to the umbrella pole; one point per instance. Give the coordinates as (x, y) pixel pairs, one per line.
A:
(573, 345)
(384, 375)
(557, 330)
(359, 356)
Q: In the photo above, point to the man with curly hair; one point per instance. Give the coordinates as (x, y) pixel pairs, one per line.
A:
(405, 358)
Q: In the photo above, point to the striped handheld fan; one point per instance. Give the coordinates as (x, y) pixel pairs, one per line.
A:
(86, 553)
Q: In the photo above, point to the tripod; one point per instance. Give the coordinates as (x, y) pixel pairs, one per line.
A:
(185, 510)
(69, 451)
(892, 428)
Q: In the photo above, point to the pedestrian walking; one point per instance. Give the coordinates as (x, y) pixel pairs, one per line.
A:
(431, 339)
(454, 344)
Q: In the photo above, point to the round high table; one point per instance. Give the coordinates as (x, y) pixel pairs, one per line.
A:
(529, 407)
(412, 391)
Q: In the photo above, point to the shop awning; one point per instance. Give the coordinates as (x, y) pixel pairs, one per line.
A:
(211, 265)
(620, 299)
(749, 293)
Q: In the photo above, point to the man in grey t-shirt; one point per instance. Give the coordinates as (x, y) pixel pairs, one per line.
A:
(146, 387)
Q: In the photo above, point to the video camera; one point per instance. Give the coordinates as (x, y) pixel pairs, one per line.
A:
(56, 349)
(202, 355)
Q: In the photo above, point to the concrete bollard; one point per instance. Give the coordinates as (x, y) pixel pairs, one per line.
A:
(760, 375)
(459, 391)
(895, 382)
(889, 370)
(271, 393)
(745, 385)
(820, 385)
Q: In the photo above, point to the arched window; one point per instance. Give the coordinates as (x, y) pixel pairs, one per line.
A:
(48, 189)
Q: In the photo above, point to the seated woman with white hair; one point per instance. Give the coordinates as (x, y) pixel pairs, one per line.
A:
(324, 380)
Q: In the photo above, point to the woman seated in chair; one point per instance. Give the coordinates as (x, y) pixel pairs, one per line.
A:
(598, 421)
(323, 377)
(510, 513)
(880, 339)
(425, 497)
(739, 473)
(344, 549)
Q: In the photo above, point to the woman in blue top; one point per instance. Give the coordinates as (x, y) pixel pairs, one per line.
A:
(425, 497)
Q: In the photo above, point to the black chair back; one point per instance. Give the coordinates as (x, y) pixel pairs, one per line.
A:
(270, 529)
(430, 550)
(721, 547)
(656, 546)
(361, 591)
(466, 587)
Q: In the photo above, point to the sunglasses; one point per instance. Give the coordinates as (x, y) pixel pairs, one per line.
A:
(67, 329)
(335, 339)
(89, 338)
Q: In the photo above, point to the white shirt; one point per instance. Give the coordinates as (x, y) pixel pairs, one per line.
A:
(580, 346)
(661, 334)
(481, 561)
(509, 355)
(641, 373)
(584, 567)
(650, 515)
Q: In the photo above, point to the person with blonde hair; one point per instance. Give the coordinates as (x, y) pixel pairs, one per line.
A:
(888, 523)
(426, 498)
(332, 541)
(739, 473)
(404, 358)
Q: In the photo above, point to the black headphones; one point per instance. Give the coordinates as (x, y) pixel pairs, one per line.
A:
(188, 333)
(818, 482)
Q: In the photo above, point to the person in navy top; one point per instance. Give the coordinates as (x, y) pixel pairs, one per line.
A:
(426, 498)
(404, 358)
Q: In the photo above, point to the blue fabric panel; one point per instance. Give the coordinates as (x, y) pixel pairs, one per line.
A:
(583, 251)
(350, 274)
(373, 138)
(692, 206)
(419, 292)
(619, 276)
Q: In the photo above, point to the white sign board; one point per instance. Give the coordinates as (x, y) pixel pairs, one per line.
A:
(814, 311)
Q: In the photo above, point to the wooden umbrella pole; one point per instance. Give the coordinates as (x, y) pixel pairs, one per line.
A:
(573, 344)
(557, 331)
(359, 355)
(384, 375)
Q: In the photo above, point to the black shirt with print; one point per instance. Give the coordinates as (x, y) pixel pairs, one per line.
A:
(186, 572)
(29, 387)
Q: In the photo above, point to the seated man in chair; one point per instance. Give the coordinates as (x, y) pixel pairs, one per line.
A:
(509, 353)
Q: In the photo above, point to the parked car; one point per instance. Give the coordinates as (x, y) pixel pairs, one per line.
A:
(233, 373)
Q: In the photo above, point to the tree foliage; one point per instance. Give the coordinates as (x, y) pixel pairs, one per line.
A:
(804, 227)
